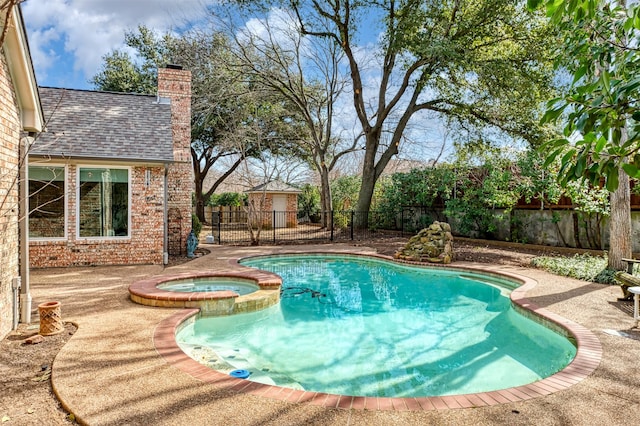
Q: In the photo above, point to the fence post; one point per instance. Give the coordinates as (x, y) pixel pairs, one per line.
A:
(273, 225)
(216, 221)
(331, 224)
(352, 214)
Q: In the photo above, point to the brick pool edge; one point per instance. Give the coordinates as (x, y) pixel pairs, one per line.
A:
(214, 303)
(586, 360)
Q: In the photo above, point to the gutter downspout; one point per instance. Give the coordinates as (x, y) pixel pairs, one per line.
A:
(23, 230)
(165, 243)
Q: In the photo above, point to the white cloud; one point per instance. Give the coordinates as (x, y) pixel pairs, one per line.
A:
(83, 31)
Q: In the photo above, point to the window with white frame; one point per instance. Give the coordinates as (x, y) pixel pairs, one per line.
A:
(103, 202)
(47, 202)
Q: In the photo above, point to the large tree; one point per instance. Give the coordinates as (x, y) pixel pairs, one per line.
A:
(602, 127)
(218, 109)
(473, 62)
(122, 73)
(308, 74)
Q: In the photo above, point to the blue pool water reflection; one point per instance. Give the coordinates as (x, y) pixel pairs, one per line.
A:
(358, 326)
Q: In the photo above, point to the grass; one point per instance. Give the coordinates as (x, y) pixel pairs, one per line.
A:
(581, 266)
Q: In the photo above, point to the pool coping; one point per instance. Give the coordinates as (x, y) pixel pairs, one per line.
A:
(587, 358)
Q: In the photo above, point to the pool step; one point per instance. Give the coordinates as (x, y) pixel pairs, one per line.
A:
(238, 360)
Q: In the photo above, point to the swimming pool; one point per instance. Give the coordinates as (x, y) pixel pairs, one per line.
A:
(355, 326)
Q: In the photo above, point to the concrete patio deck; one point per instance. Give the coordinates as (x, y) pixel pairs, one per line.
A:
(111, 372)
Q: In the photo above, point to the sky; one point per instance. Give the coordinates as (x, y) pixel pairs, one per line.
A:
(68, 38)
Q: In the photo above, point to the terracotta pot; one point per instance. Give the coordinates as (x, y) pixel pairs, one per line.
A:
(50, 318)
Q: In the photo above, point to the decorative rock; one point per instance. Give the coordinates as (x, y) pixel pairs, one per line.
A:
(34, 340)
(433, 244)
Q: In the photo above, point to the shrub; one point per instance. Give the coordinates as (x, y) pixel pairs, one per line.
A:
(309, 203)
(345, 192)
(228, 199)
(196, 225)
(581, 266)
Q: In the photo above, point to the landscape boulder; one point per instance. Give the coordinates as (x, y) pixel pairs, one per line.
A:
(433, 244)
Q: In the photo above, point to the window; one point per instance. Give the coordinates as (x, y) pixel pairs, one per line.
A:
(103, 207)
(46, 202)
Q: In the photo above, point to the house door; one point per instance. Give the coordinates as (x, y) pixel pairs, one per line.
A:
(280, 207)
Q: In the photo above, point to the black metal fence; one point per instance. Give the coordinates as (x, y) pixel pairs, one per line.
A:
(286, 227)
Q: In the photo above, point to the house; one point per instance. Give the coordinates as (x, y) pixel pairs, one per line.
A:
(110, 181)
(277, 197)
(21, 116)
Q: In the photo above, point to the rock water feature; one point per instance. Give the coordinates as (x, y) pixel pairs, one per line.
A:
(433, 244)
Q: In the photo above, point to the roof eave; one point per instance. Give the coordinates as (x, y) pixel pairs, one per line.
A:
(78, 158)
(22, 73)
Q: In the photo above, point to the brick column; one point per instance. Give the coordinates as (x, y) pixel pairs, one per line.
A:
(175, 83)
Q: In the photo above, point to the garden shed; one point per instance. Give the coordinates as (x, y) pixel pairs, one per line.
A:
(277, 197)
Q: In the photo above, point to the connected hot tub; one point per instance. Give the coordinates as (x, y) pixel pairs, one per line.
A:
(214, 293)
(211, 284)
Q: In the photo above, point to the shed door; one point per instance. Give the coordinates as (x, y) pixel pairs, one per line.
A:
(280, 207)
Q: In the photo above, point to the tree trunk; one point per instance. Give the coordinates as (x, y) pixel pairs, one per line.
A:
(199, 197)
(325, 197)
(365, 196)
(620, 245)
(576, 229)
(620, 224)
(369, 178)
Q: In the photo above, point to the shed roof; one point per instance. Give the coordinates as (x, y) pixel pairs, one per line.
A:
(275, 186)
(104, 125)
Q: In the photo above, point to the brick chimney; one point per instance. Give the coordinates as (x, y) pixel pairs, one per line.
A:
(175, 83)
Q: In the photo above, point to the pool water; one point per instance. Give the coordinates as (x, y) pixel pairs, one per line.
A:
(353, 326)
(210, 284)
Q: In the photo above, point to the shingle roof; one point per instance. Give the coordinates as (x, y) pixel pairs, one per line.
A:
(274, 186)
(104, 125)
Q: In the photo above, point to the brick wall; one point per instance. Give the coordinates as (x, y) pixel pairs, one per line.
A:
(292, 210)
(176, 85)
(9, 156)
(146, 233)
(262, 205)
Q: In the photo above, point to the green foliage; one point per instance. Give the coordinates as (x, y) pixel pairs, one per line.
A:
(419, 187)
(481, 188)
(588, 199)
(196, 225)
(535, 180)
(345, 192)
(600, 108)
(580, 266)
(309, 202)
(119, 73)
(228, 199)
(483, 181)
(484, 195)
(341, 219)
(122, 73)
